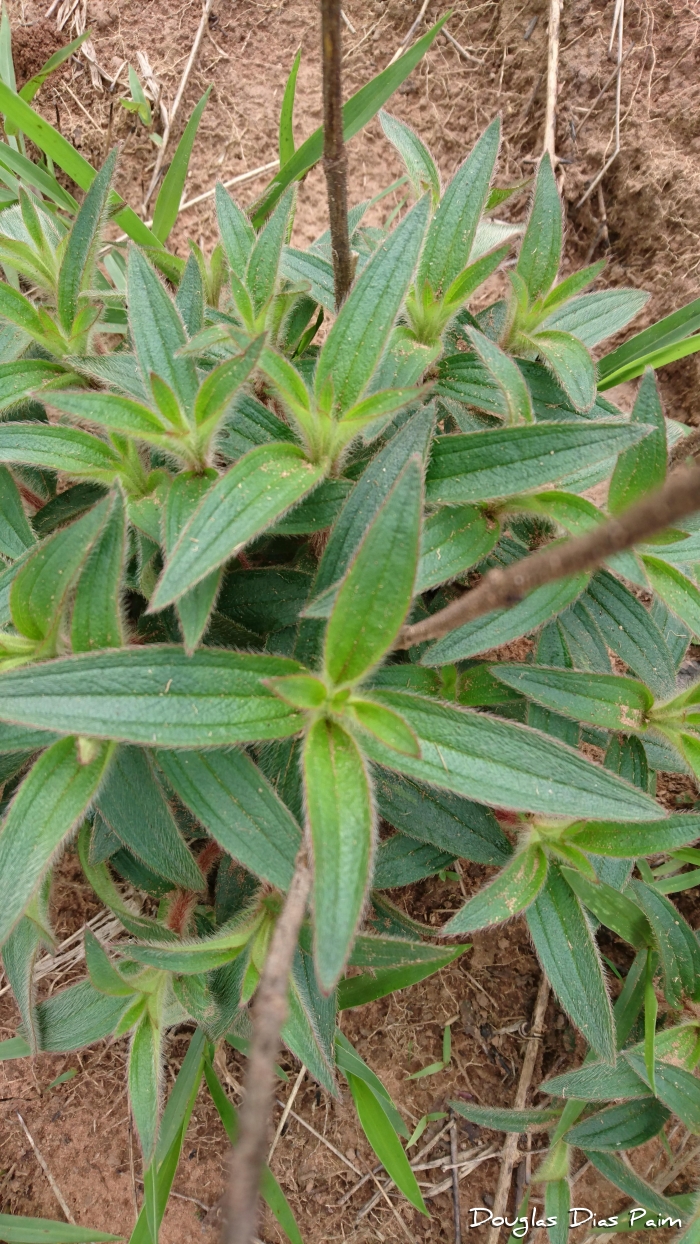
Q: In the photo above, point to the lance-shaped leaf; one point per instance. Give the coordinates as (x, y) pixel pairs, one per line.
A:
(674, 1086)
(679, 951)
(76, 1017)
(157, 331)
(502, 625)
(40, 588)
(199, 955)
(571, 364)
(510, 892)
(630, 841)
(286, 126)
(606, 700)
(237, 233)
(375, 595)
(453, 227)
(341, 825)
(467, 829)
(676, 590)
(540, 249)
(369, 494)
(21, 1230)
(144, 1078)
(221, 385)
(500, 1120)
(239, 808)
(567, 950)
(383, 723)
(378, 983)
(507, 376)
(358, 110)
(250, 497)
(353, 346)
(626, 1179)
(154, 696)
(19, 955)
(598, 1082)
(96, 619)
(630, 631)
(134, 807)
(53, 796)
(481, 466)
(19, 379)
(502, 763)
(79, 454)
(16, 536)
(615, 910)
(592, 317)
(263, 264)
(420, 165)
(310, 1025)
(100, 878)
(101, 970)
(384, 1141)
(194, 608)
(170, 193)
(453, 539)
(643, 467)
(117, 414)
(76, 271)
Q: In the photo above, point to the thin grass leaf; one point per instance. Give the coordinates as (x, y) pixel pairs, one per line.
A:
(170, 194)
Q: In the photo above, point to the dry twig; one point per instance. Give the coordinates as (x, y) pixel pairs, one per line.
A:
(334, 158)
(618, 24)
(550, 122)
(269, 1012)
(206, 10)
(499, 589)
(42, 1163)
(510, 1148)
(411, 31)
(285, 1113)
(454, 1150)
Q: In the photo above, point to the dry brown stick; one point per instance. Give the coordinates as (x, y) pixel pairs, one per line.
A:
(500, 589)
(285, 1113)
(454, 1151)
(462, 50)
(334, 158)
(383, 1193)
(172, 112)
(606, 86)
(510, 1148)
(42, 1163)
(412, 30)
(550, 121)
(618, 24)
(269, 1013)
(684, 448)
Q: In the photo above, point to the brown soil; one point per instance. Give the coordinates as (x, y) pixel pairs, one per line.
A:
(652, 201)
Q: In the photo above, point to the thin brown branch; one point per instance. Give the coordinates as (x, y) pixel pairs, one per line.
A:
(500, 589)
(334, 158)
(269, 1013)
(550, 122)
(510, 1148)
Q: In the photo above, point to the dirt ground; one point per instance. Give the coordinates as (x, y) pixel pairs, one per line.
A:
(650, 201)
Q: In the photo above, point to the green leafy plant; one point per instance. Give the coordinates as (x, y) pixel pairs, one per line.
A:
(195, 694)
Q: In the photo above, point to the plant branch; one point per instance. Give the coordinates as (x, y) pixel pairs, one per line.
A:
(500, 589)
(550, 123)
(269, 1013)
(334, 158)
(510, 1148)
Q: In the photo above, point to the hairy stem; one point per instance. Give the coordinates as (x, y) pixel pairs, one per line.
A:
(269, 1013)
(334, 159)
(499, 589)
